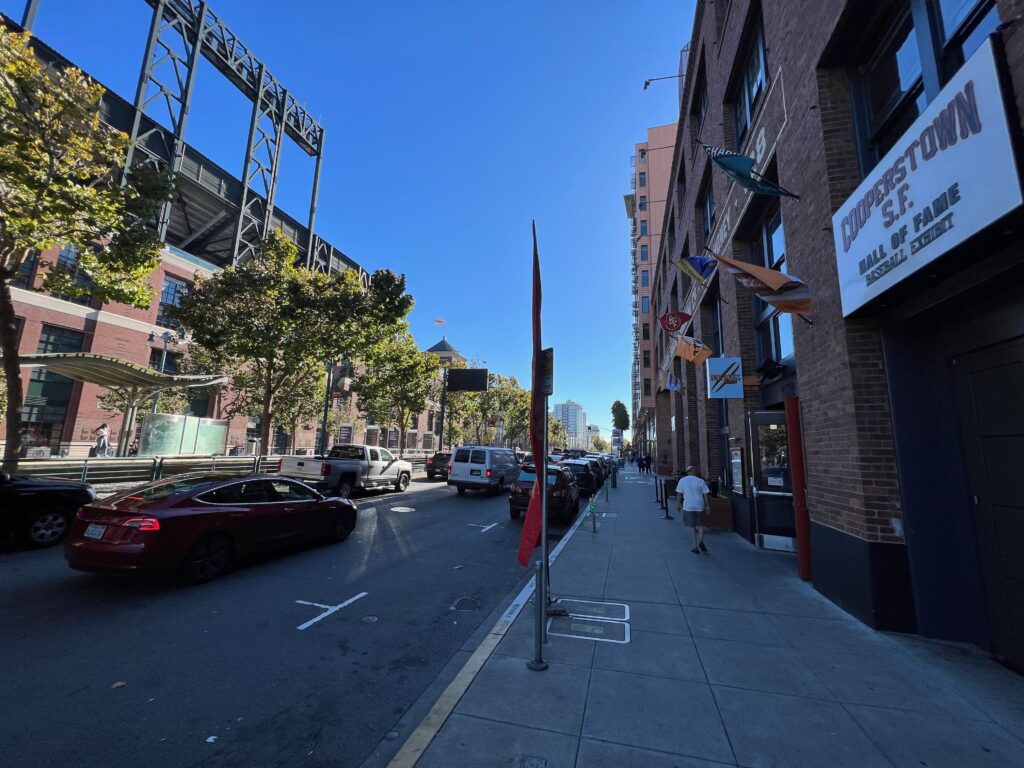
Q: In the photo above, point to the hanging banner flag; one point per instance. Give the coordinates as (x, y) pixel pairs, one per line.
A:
(697, 268)
(740, 169)
(692, 350)
(532, 525)
(673, 384)
(784, 292)
(673, 321)
(725, 377)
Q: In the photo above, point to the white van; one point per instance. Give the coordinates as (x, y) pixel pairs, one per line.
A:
(483, 467)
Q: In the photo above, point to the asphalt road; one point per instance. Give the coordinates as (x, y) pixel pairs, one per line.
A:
(106, 670)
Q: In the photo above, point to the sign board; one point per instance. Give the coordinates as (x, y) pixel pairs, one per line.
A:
(467, 379)
(951, 174)
(617, 439)
(725, 377)
(547, 372)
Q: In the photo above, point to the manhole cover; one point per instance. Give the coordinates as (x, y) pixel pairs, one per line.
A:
(589, 629)
(596, 609)
(466, 604)
(403, 509)
(369, 619)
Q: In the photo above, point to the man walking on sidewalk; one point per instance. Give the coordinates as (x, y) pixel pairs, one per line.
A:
(692, 495)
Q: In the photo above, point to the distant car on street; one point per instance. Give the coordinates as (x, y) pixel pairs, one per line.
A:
(563, 493)
(347, 468)
(438, 464)
(587, 473)
(197, 525)
(38, 512)
(483, 468)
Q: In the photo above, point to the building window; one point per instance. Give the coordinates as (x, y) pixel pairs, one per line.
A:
(170, 364)
(647, 387)
(170, 296)
(643, 156)
(644, 253)
(751, 86)
(965, 25)
(643, 202)
(48, 394)
(645, 304)
(643, 227)
(67, 262)
(647, 358)
(708, 212)
(700, 105)
(774, 331)
(646, 332)
(643, 178)
(645, 279)
(26, 274)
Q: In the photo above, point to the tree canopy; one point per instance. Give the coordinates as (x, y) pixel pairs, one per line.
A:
(61, 183)
(272, 326)
(620, 416)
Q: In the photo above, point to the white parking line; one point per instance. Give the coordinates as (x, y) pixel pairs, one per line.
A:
(483, 528)
(328, 609)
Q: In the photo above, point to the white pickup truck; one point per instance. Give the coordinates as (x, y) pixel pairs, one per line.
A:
(348, 467)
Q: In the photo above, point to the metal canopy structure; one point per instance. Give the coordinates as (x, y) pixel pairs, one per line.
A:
(216, 216)
(135, 383)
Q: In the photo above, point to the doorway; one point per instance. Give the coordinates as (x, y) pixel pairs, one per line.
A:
(990, 398)
(771, 482)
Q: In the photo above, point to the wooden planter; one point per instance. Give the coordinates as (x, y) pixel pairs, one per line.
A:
(720, 513)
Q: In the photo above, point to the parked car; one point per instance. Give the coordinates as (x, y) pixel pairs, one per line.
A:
(347, 468)
(438, 464)
(38, 512)
(599, 468)
(483, 467)
(198, 525)
(587, 475)
(563, 493)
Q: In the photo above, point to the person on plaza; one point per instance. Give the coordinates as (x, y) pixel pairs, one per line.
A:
(692, 496)
(102, 433)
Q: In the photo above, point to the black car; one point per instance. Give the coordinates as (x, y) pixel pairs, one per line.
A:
(39, 512)
(438, 464)
(563, 493)
(587, 476)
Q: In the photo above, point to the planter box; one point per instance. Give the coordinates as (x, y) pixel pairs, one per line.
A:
(720, 513)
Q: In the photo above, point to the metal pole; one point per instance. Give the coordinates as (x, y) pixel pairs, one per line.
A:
(140, 90)
(542, 474)
(163, 367)
(327, 409)
(29, 17)
(799, 480)
(311, 254)
(537, 663)
(440, 419)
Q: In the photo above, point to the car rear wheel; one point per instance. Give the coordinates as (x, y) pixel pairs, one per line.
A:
(344, 524)
(514, 513)
(344, 488)
(207, 559)
(461, 490)
(46, 527)
(402, 483)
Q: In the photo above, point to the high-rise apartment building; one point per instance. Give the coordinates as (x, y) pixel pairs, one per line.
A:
(645, 207)
(574, 422)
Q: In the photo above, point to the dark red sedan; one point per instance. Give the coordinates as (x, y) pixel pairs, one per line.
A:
(198, 525)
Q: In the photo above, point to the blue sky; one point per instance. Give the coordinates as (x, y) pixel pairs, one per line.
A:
(449, 125)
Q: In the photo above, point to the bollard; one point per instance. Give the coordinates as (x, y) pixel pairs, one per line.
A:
(592, 511)
(615, 476)
(606, 490)
(537, 663)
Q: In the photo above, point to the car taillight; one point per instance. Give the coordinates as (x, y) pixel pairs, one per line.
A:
(488, 473)
(430, 461)
(142, 523)
(325, 470)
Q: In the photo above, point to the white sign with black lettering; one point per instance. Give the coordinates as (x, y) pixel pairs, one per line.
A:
(950, 175)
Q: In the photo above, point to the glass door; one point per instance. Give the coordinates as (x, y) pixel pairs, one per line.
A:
(770, 481)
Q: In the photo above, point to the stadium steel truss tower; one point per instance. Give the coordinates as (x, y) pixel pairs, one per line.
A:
(214, 216)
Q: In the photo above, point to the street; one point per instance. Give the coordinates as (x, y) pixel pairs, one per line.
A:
(105, 670)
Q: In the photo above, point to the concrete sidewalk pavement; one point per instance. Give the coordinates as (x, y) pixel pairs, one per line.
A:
(730, 659)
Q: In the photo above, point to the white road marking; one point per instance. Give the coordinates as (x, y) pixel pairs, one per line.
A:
(328, 609)
(485, 530)
(403, 509)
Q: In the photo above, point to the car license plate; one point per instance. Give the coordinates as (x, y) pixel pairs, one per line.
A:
(95, 531)
(475, 472)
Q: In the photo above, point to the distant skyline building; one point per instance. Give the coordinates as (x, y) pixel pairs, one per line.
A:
(574, 422)
(593, 430)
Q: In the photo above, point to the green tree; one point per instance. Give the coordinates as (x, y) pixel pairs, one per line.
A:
(620, 416)
(61, 183)
(271, 325)
(556, 434)
(394, 382)
(599, 444)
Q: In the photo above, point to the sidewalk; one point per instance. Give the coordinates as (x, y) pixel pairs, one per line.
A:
(731, 659)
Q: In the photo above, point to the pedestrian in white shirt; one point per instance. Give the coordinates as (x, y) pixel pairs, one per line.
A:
(692, 495)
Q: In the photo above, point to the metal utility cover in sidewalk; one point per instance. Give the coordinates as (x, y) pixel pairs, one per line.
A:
(589, 629)
(593, 609)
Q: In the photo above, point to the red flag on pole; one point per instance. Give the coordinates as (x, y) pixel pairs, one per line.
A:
(674, 321)
(531, 526)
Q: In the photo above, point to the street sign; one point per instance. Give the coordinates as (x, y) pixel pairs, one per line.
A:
(547, 372)
(467, 379)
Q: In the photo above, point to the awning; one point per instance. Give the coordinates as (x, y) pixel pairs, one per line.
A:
(113, 371)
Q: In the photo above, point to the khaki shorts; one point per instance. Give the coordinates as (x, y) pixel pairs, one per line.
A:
(694, 519)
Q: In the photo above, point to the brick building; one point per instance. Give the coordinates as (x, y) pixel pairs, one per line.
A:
(645, 207)
(898, 123)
